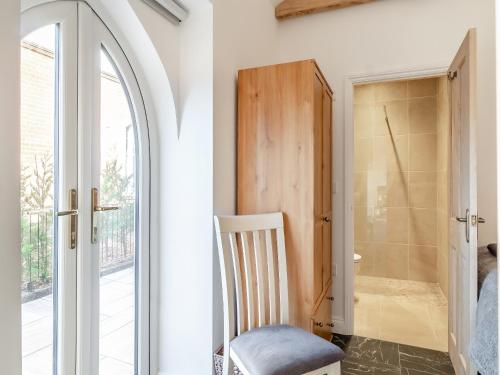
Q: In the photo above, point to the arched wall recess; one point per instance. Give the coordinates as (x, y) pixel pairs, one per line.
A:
(156, 87)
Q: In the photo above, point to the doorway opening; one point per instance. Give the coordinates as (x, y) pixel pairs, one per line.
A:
(401, 187)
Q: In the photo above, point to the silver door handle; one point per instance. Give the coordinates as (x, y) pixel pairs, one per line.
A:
(481, 220)
(461, 219)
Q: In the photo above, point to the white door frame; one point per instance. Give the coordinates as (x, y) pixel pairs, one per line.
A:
(56, 11)
(350, 81)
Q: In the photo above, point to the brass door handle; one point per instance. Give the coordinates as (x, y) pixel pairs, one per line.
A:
(72, 213)
(110, 208)
(67, 213)
(97, 208)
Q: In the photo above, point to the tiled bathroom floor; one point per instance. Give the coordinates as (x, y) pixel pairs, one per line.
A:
(406, 312)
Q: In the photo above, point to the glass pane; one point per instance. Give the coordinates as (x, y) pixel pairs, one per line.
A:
(116, 229)
(38, 91)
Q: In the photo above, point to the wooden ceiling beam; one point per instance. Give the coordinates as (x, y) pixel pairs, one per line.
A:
(293, 8)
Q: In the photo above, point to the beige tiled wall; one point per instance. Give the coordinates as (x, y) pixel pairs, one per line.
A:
(396, 196)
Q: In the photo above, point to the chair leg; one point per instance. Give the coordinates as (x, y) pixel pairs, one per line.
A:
(335, 369)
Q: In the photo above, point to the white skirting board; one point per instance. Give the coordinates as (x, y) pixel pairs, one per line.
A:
(340, 326)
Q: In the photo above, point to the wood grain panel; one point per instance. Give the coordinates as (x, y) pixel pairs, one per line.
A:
(318, 186)
(293, 8)
(327, 163)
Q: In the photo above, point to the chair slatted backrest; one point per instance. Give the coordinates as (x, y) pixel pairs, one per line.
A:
(254, 272)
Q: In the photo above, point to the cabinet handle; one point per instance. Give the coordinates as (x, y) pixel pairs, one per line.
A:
(318, 324)
(330, 298)
(326, 219)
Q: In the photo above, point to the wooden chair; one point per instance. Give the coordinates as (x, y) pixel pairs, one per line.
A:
(254, 280)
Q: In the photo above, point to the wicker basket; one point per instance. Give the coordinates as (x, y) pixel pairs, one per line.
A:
(219, 360)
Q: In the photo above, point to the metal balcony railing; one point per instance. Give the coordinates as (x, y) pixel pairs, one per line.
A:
(116, 245)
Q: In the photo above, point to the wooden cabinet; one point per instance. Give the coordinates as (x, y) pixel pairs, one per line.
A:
(285, 164)
(321, 322)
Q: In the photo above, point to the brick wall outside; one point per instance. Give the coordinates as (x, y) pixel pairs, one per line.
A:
(37, 112)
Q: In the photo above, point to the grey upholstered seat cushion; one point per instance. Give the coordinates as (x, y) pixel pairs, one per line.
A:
(283, 350)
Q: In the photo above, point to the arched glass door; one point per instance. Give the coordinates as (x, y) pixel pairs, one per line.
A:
(84, 198)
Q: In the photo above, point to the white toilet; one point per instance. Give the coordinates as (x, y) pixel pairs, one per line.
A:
(357, 263)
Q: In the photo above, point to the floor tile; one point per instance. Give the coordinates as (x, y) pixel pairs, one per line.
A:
(406, 323)
(384, 307)
(368, 351)
(425, 360)
(378, 357)
(360, 368)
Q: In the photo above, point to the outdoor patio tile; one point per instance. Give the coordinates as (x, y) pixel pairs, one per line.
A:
(125, 276)
(114, 291)
(37, 335)
(119, 344)
(42, 307)
(111, 366)
(114, 307)
(116, 331)
(116, 321)
(38, 363)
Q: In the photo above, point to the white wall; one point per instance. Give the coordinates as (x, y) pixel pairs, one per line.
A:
(373, 38)
(10, 263)
(185, 330)
(164, 36)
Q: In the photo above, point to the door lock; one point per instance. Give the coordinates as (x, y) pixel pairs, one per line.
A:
(96, 208)
(477, 220)
(467, 221)
(72, 213)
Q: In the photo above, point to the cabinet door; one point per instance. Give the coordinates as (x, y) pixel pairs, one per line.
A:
(318, 187)
(327, 187)
(322, 320)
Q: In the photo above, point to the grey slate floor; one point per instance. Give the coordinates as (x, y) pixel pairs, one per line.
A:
(366, 356)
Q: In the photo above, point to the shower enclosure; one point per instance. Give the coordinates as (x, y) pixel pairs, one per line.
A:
(401, 143)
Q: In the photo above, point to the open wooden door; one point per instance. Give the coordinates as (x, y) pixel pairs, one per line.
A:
(463, 207)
